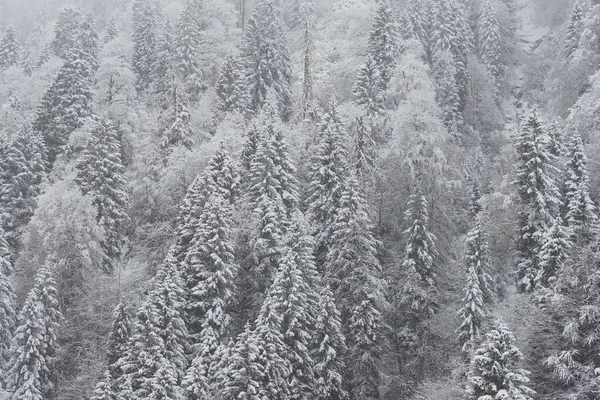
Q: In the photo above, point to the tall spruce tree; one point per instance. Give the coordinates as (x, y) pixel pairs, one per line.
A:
(231, 90)
(383, 43)
(111, 31)
(368, 90)
(88, 40)
(493, 373)
(100, 173)
(188, 46)
(66, 105)
(67, 32)
(176, 126)
(118, 340)
(538, 196)
(574, 30)
(243, 372)
(307, 97)
(553, 253)
(145, 13)
(31, 371)
(10, 51)
(8, 303)
(472, 313)
(447, 95)
(490, 41)
(581, 214)
(266, 58)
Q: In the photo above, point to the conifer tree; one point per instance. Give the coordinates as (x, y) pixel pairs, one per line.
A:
(244, 373)
(553, 253)
(22, 172)
(266, 59)
(307, 98)
(368, 90)
(8, 303)
(329, 350)
(364, 148)
(328, 169)
(187, 48)
(383, 47)
(145, 14)
(9, 49)
(538, 195)
(580, 209)
(230, 88)
(475, 206)
(419, 259)
(26, 63)
(111, 31)
(301, 12)
(67, 32)
(163, 71)
(88, 41)
(100, 173)
(447, 95)
(65, 106)
(493, 373)
(478, 257)
(104, 390)
(177, 129)
(30, 373)
(490, 42)
(574, 30)
(420, 20)
(118, 340)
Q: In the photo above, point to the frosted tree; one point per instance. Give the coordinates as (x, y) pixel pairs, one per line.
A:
(65, 106)
(118, 341)
(478, 258)
(67, 32)
(163, 385)
(10, 51)
(447, 95)
(111, 31)
(144, 41)
(383, 46)
(22, 172)
(538, 196)
(329, 350)
(31, 371)
(574, 30)
(8, 302)
(553, 254)
(420, 23)
(103, 389)
(177, 129)
(580, 209)
(231, 89)
(364, 148)
(300, 12)
(188, 46)
(328, 169)
(88, 41)
(490, 41)
(419, 259)
(243, 373)
(163, 70)
(307, 98)
(493, 373)
(368, 90)
(266, 59)
(100, 173)
(475, 206)
(472, 313)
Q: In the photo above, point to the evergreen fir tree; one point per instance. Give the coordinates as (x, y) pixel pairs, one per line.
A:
(368, 88)
(244, 373)
(26, 63)
(145, 14)
(420, 20)
(574, 30)
(8, 303)
(419, 259)
(177, 129)
(447, 95)
(266, 59)
(472, 312)
(100, 173)
(364, 148)
(22, 172)
(300, 13)
(111, 31)
(230, 88)
(118, 341)
(475, 206)
(553, 254)
(493, 374)
(163, 71)
(187, 48)
(580, 209)
(88, 41)
(31, 370)
(538, 195)
(328, 169)
(382, 46)
(104, 390)
(164, 383)
(307, 98)
(65, 106)
(9, 49)
(490, 42)
(329, 350)
(478, 258)
(67, 32)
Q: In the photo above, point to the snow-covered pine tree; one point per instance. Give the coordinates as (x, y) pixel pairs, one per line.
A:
(220, 176)
(472, 313)
(574, 30)
(145, 14)
(100, 173)
(67, 32)
(383, 46)
(580, 215)
(111, 31)
(419, 16)
(419, 259)
(328, 169)
(230, 89)
(307, 97)
(475, 206)
(22, 172)
(159, 332)
(493, 373)
(490, 41)
(118, 340)
(330, 348)
(103, 389)
(553, 253)
(66, 105)
(26, 63)
(164, 384)
(364, 147)
(478, 257)
(285, 169)
(177, 129)
(367, 90)
(8, 303)
(88, 40)
(31, 371)
(538, 196)
(188, 46)
(447, 95)
(243, 373)
(300, 12)
(266, 58)
(163, 69)
(10, 51)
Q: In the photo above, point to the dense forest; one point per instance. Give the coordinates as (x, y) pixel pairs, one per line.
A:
(299, 199)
